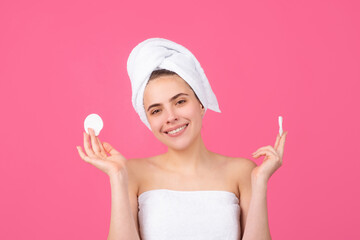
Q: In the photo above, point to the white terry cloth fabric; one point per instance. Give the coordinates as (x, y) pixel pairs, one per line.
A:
(158, 53)
(189, 215)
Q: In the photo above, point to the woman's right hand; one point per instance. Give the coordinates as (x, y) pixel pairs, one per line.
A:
(96, 154)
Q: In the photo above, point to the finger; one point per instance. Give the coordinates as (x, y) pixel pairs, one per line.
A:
(93, 161)
(83, 155)
(278, 137)
(282, 144)
(102, 150)
(268, 156)
(94, 142)
(270, 148)
(110, 149)
(87, 146)
(265, 152)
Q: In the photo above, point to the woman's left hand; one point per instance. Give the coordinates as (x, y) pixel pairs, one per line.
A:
(272, 160)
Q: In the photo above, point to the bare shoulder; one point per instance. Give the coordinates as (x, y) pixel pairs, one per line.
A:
(243, 163)
(241, 168)
(237, 164)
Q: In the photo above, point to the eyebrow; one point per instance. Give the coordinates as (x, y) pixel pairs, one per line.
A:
(171, 99)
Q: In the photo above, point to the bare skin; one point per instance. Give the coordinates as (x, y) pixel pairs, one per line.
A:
(187, 165)
(224, 174)
(217, 175)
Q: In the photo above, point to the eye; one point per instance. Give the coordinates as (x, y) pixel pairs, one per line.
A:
(154, 112)
(181, 101)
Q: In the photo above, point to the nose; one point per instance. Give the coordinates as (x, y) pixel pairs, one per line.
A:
(172, 116)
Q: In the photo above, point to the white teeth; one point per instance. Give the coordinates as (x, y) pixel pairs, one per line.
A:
(177, 130)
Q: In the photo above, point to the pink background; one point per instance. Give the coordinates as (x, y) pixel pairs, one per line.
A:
(62, 60)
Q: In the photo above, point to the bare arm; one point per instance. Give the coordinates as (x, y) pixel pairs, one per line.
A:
(253, 217)
(123, 201)
(122, 225)
(257, 225)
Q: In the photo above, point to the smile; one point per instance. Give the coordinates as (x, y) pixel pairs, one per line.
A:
(174, 132)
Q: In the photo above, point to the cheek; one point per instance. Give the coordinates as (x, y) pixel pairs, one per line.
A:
(193, 112)
(190, 111)
(156, 123)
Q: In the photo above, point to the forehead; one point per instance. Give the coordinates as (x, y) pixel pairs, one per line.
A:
(162, 88)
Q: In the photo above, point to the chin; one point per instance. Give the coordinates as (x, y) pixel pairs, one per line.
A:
(180, 145)
(176, 145)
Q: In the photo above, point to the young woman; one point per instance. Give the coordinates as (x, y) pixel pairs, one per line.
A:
(189, 192)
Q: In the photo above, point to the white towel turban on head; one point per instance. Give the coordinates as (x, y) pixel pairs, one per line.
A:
(158, 53)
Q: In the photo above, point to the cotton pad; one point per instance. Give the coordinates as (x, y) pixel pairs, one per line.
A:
(95, 122)
(280, 125)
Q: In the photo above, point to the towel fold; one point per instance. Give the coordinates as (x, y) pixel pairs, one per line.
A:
(158, 53)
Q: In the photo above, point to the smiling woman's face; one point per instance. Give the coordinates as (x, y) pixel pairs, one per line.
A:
(170, 103)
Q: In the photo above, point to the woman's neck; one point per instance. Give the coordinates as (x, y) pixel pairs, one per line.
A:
(189, 160)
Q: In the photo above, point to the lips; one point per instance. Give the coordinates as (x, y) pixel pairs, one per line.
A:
(174, 128)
